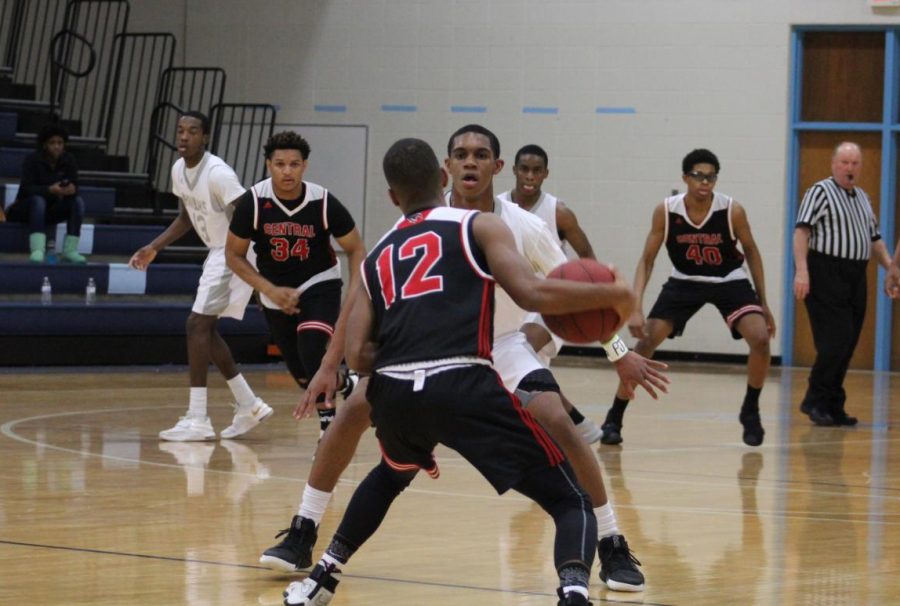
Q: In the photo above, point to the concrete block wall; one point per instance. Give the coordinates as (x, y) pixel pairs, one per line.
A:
(617, 91)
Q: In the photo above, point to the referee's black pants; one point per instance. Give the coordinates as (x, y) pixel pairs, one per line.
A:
(837, 307)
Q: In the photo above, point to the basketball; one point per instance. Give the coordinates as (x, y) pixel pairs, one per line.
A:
(584, 326)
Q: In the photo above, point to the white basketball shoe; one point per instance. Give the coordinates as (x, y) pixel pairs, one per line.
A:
(189, 428)
(245, 420)
(589, 431)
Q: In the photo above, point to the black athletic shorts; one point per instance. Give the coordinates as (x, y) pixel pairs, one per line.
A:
(466, 409)
(320, 306)
(679, 300)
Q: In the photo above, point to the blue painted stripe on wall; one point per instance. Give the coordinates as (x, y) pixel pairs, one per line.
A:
(468, 109)
(615, 110)
(126, 281)
(338, 109)
(398, 108)
(528, 109)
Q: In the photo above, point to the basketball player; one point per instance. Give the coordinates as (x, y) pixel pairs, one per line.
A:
(426, 334)
(290, 223)
(701, 230)
(206, 187)
(473, 162)
(531, 168)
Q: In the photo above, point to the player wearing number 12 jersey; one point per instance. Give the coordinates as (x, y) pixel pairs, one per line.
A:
(701, 230)
(290, 223)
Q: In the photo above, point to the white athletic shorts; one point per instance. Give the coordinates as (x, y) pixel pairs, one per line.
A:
(514, 358)
(220, 292)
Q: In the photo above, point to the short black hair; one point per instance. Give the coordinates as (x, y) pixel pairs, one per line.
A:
(699, 156)
(49, 131)
(412, 170)
(478, 130)
(204, 121)
(532, 150)
(286, 139)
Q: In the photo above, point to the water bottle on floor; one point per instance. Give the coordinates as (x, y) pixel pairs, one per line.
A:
(90, 292)
(46, 292)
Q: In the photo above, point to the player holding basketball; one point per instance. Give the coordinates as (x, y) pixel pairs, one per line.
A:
(426, 337)
(290, 223)
(701, 230)
(531, 168)
(472, 170)
(206, 187)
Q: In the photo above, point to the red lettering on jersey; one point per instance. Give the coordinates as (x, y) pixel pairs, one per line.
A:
(385, 270)
(428, 246)
(709, 255)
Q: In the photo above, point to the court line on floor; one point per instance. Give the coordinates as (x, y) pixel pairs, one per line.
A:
(7, 430)
(345, 575)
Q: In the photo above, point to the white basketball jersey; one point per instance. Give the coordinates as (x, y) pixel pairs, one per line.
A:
(206, 191)
(536, 243)
(545, 208)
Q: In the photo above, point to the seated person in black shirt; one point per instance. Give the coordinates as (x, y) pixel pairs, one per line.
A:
(48, 195)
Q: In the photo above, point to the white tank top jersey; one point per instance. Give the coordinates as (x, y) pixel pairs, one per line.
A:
(206, 190)
(537, 244)
(545, 208)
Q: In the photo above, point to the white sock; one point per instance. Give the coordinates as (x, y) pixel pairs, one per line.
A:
(606, 521)
(197, 406)
(313, 504)
(243, 395)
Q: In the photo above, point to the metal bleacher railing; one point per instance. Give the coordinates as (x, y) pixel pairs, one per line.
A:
(239, 131)
(141, 59)
(81, 60)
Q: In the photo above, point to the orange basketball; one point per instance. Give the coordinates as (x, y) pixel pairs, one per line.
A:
(585, 326)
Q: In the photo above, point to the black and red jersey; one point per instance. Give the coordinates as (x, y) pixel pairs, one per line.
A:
(431, 290)
(706, 252)
(291, 238)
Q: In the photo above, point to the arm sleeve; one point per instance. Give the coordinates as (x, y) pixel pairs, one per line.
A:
(224, 185)
(242, 220)
(340, 222)
(810, 207)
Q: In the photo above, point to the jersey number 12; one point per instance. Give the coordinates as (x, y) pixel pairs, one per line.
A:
(427, 247)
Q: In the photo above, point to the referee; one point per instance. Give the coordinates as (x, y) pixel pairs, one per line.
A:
(835, 234)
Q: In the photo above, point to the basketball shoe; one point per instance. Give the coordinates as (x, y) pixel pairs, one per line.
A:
(573, 598)
(245, 420)
(315, 590)
(618, 566)
(589, 431)
(294, 552)
(612, 433)
(189, 428)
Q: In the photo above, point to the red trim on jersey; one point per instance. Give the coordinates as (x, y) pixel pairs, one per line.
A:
(554, 454)
(432, 471)
(314, 325)
(413, 219)
(739, 313)
(485, 332)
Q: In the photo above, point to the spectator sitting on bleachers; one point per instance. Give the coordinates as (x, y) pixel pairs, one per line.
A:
(48, 195)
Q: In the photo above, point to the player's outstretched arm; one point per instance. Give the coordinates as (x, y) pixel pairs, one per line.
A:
(567, 223)
(644, 267)
(532, 293)
(177, 228)
(741, 227)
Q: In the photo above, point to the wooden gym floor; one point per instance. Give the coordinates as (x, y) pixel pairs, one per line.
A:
(94, 509)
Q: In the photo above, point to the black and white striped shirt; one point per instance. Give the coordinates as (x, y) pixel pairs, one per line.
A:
(841, 223)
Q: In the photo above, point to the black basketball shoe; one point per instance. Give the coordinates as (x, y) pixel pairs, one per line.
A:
(294, 552)
(573, 598)
(618, 566)
(612, 433)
